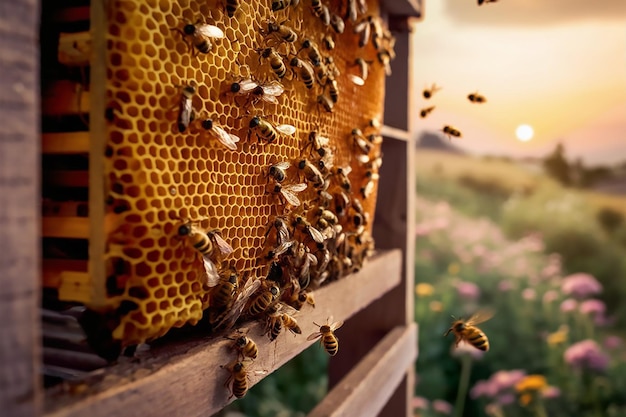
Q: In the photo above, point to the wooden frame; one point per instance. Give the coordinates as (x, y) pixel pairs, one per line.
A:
(380, 337)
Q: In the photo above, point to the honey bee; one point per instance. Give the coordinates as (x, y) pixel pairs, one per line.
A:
(275, 60)
(224, 293)
(291, 324)
(428, 92)
(426, 111)
(360, 142)
(451, 131)
(326, 103)
(318, 143)
(312, 51)
(265, 131)
(363, 29)
(341, 174)
(206, 243)
(326, 217)
(363, 67)
(289, 193)
(282, 231)
(263, 300)
(186, 113)
(266, 92)
(238, 377)
(303, 224)
(476, 98)
(201, 35)
(321, 11)
(306, 73)
(227, 139)
(281, 32)
(384, 57)
(329, 340)
(246, 346)
(311, 173)
(274, 325)
(231, 7)
(283, 4)
(337, 23)
(351, 11)
(228, 317)
(275, 254)
(333, 89)
(301, 298)
(278, 171)
(466, 330)
(328, 42)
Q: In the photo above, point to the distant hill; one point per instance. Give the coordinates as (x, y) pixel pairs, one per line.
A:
(429, 140)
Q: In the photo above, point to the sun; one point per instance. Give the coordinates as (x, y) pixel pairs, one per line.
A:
(524, 133)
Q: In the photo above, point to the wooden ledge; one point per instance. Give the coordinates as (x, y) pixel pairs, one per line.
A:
(184, 378)
(367, 388)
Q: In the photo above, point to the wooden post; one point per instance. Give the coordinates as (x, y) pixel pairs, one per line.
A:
(20, 391)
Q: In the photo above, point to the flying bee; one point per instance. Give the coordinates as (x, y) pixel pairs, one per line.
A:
(328, 42)
(363, 67)
(428, 92)
(306, 72)
(282, 230)
(337, 23)
(301, 223)
(201, 35)
(289, 192)
(246, 346)
(224, 293)
(278, 171)
(476, 98)
(275, 60)
(186, 112)
(291, 324)
(281, 32)
(231, 7)
(451, 131)
(312, 52)
(283, 4)
(227, 139)
(426, 111)
(363, 29)
(204, 244)
(267, 92)
(264, 298)
(265, 131)
(466, 330)
(326, 103)
(329, 340)
(311, 173)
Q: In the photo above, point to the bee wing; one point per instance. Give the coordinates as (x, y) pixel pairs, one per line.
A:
(225, 138)
(336, 325)
(295, 188)
(316, 235)
(282, 165)
(250, 287)
(359, 27)
(363, 159)
(367, 189)
(283, 247)
(308, 67)
(247, 85)
(211, 31)
(269, 99)
(273, 89)
(356, 79)
(212, 275)
(291, 198)
(480, 316)
(323, 140)
(286, 129)
(314, 336)
(221, 244)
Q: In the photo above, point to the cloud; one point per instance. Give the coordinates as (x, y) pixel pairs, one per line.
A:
(533, 12)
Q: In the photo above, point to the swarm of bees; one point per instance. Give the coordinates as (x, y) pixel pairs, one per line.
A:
(318, 190)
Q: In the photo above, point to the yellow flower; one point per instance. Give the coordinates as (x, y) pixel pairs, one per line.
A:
(525, 399)
(558, 337)
(436, 306)
(531, 383)
(454, 268)
(424, 289)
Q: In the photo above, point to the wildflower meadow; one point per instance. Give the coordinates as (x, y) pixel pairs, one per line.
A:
(554, 347)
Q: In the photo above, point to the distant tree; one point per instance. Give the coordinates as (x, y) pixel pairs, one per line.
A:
(557, 166)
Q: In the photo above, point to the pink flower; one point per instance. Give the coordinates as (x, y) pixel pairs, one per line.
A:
(528, 294)
(550, 392)
(442, 407)
(497, 384)
(505, 286)
(612, 342)
(419, 402)
(581, 285)
(569, 305)
(506, 399)
(468, 290)
(550, 296)
(586, 355)
(592, 307)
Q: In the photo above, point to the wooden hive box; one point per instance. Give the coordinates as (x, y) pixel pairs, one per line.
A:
(129, 171)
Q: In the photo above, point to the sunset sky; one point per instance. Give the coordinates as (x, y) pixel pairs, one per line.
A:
(556, 65)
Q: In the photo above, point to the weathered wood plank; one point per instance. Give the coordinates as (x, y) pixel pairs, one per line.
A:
(53, 270)
(20, 392)
(65, 98)
(66, 227)
(65, 143)
(75, 49)
(365, 390)
(191, 369)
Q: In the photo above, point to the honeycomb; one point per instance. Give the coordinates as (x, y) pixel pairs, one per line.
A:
(159, 178)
